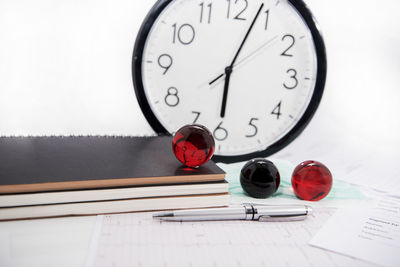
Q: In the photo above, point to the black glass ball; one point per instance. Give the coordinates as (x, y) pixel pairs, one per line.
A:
(260, 178)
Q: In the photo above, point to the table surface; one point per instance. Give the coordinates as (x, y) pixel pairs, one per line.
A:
(46, 242)
(60, 242)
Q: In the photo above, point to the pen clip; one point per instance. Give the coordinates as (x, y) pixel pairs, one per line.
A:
(266, 218)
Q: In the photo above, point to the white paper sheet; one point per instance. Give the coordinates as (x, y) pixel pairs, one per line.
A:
(369, 234)
(352, 159)
(138, 240)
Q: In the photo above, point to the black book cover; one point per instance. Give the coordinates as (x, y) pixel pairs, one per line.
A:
(37, 164)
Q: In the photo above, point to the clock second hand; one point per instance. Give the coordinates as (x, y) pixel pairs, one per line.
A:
(229, 69)
(244, 59)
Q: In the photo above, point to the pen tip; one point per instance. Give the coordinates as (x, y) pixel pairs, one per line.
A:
(163, 214)
(309, 210)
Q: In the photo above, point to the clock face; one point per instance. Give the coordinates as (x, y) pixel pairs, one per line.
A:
(252, 72)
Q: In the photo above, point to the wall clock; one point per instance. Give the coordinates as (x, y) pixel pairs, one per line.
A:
(251, 71)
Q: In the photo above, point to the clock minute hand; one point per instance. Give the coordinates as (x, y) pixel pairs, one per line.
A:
(247, 35)
(229, 69)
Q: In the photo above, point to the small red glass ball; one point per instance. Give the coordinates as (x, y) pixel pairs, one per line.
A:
(193, 145)
(260, 178)
(311, 180)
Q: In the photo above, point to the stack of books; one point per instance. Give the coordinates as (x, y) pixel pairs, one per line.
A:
(63, 176)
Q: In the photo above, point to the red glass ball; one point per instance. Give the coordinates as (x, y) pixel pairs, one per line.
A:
(311, 180)
(193, 145)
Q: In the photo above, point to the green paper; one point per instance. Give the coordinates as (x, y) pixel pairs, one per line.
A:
(340, 190)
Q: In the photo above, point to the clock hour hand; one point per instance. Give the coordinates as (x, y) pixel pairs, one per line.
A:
(229, 69)
(228, 72)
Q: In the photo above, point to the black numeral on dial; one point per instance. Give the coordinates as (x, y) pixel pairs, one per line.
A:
(172, 98)
(239, 16)
(184, 34)
(197, 115)
(266, 18)
(220, 133)
(165, 61)
(277, 110)
(254, 128)
(204, 13)
(291, 42)
(293, 78)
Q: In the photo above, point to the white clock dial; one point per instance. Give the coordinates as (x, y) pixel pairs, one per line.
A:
(245, 69)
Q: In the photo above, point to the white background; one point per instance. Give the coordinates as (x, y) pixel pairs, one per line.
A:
(65, 68)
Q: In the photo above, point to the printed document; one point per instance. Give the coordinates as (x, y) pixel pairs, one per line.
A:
(368, 234)
(137, 240)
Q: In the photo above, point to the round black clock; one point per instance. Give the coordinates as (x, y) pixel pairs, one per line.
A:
(251, 71)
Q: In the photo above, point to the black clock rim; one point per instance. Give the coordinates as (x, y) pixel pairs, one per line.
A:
(312, 24)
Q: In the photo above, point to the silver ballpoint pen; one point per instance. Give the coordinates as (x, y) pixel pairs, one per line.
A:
(247, 211)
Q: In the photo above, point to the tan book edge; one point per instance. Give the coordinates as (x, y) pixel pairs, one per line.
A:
(115, 206)
(87, 184)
